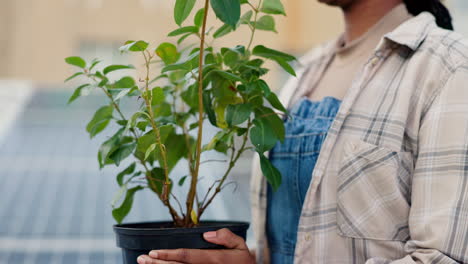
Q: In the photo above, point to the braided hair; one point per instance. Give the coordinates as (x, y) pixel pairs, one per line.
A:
(441, 13)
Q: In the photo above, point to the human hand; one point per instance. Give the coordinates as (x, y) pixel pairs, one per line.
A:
(236, 252)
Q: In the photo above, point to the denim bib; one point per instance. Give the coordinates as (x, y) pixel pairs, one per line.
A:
(295, 158)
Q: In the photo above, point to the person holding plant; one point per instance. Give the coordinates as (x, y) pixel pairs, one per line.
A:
(375, 159)
(159, 118)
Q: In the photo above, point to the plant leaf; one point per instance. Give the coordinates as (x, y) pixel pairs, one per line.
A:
(268, 53)
(132, 122)
(78, 92)
(108, 147)
(112, 68)
(76, 61)
(212, 144)
(157, 96)
(227, 11)
(127, 171)
(222, 31)
(262, 136)
(274, 7)
(176, 149)
(118, 195)
(183, 30)
(124, 92)
(156, 179)
(121, 212)
(182, 180)
(271, 173)
(94, 63)
(158, 78)
(73, 76)
(266, 23)
(220, 116)
(238, 114)
(168, 53)
(220, 142)
(124, 82)
(123, 151)
(207, 105)
(188, 64)
(228, 75)
(198, 19)
(246, 17)
(100, 120)
(190, 96)
(150, 149)
(285, 65)
(270, 96)
(162, 110)
(275, 123)
(181, 39)
(134, 46)
(194, 217)
(231, 58)
(147, 139)
(142, 125)
(182, 10)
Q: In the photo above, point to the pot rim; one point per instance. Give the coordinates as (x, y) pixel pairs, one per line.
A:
(134, 228)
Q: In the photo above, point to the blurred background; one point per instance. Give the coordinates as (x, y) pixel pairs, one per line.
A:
(54, 201)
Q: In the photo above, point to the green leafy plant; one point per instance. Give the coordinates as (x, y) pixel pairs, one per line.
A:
(223, 86)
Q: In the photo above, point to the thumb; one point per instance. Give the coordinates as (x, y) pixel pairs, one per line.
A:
(225, 237)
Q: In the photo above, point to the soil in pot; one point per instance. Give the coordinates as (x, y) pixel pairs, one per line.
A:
(136, 239)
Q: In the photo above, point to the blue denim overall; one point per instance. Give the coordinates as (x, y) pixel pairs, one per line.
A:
(295, 158)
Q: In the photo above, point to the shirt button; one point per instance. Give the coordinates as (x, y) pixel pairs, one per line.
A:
(307, 237)
(374, 61)
(352, 146)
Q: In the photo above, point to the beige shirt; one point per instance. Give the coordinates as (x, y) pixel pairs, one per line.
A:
(350, 57)
(391, 180)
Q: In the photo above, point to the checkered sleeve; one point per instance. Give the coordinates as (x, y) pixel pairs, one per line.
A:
(438, 220)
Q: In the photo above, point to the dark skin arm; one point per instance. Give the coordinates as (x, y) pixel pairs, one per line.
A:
(237, 252)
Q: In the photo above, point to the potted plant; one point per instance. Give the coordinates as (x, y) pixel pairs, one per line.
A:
(221, 86)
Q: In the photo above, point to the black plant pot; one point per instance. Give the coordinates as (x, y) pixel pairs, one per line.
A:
(136, 239)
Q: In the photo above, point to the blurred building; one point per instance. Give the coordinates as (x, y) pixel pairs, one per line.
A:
(36, 35)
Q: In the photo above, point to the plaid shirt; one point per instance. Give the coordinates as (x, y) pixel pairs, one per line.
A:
(391, 181)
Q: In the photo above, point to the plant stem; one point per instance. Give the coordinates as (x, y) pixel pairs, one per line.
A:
(232, 163)
(175, 216)
(178, 203)
(209, 191)
(162, 148)
(256, 10)
(213, 160)
(193, 185)
(253, 7)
